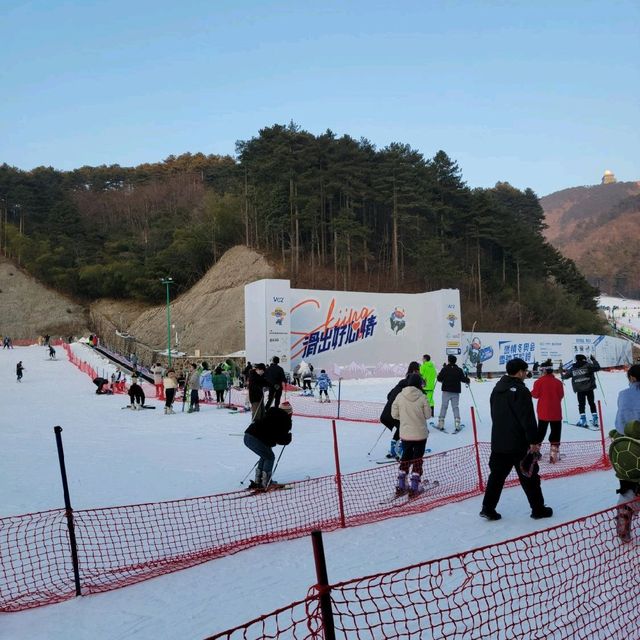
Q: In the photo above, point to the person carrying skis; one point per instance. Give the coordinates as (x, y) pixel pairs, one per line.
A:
(19, 370)
(170, 385)
(583, 381)
(451, 377)
(395, 446)
(628, 412)
(257, 385)
(412, 410)
(264, 433)
(277, 379)
(514, 443)
(136, 394)
(429, 375)
(549, 391)
(323, 383)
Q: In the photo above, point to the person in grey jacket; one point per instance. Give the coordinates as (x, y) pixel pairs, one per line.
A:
(194, 386)
(412, 409)
(451, 377)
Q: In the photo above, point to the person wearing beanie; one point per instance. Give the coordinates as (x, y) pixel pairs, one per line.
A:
(451, 377)
(549, 391)
(514, 440)
(412, 410)
(273, 428)
(583, 382)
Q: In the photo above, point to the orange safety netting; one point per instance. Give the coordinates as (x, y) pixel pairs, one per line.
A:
(572, 581)
(119, 546)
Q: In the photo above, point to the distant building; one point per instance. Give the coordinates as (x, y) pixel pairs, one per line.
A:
(608, 177)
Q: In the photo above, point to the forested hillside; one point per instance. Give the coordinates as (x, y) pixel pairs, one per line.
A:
(598, 228)
(333, 212)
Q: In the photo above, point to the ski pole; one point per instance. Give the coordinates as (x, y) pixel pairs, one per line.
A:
(376, 442)
(275, 466)
(250, 472)
(599, 385)
(474, 402)
(564, 395)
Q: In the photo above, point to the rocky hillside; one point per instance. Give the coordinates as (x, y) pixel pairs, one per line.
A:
(209, 317)
(29, 309)
(598, 228)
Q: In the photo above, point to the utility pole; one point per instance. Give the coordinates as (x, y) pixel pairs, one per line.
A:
(168, 281)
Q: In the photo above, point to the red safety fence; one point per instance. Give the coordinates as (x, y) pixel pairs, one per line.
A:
(119, 546)
(572, 581)
(306, 406)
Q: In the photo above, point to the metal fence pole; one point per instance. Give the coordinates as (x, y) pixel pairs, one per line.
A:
(68, 511)
(477, 447)
(339, 387)
(324, 590)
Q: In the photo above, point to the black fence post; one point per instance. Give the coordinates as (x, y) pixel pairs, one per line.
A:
(68, 511)
(324, 590)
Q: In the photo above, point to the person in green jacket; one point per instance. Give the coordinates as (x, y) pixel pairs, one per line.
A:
(429, 375)
(220, 384)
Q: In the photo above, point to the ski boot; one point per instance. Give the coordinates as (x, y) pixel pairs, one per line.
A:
(582, 422)
(392, 449)
(440, 425)
(399, 449)
(166, 411)
(401, 487)
(594, 420)
(623, 523)
(256, 483)
(414, 486)
(458, 427)
(554, 454)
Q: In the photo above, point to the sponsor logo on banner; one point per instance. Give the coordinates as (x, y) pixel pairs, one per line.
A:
(339, 328)
(279, 314)
(397, 321)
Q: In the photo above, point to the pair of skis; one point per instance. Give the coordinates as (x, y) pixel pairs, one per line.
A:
(589, 427)
(389, 460)
(258, 492)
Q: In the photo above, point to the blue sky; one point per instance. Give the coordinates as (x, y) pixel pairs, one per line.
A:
(540, 94)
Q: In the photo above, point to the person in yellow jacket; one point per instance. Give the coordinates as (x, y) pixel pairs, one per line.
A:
(429, 375)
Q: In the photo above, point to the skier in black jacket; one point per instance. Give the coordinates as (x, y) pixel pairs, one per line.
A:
(276, 377)
(257, 384)
(451, 377)
(264, 434)
(583, 381)
(514, 435)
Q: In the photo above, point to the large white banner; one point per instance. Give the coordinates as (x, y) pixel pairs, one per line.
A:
(495, 349)
(351, 334)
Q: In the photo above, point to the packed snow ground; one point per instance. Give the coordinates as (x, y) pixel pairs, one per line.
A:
(117, 457)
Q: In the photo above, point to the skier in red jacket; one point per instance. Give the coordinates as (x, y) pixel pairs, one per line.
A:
(549, 392)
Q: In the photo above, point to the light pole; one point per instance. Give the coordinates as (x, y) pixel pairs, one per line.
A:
(168, 281)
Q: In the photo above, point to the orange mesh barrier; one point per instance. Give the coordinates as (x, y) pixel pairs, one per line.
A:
(122, 545)
(572, 581)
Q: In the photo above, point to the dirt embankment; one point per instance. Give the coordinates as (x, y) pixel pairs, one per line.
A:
(29, 309)
(208, 318)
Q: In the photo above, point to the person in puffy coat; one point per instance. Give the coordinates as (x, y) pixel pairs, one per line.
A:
(412, 409)
(170, 385)
(549, 391)
(158, 374)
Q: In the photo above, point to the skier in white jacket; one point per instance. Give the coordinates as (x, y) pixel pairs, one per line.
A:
(412, 409)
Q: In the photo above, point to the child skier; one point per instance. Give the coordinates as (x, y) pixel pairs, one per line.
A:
(170, 384)
(583, 381)
(52, 353)
(19, 370)
(324, 384)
